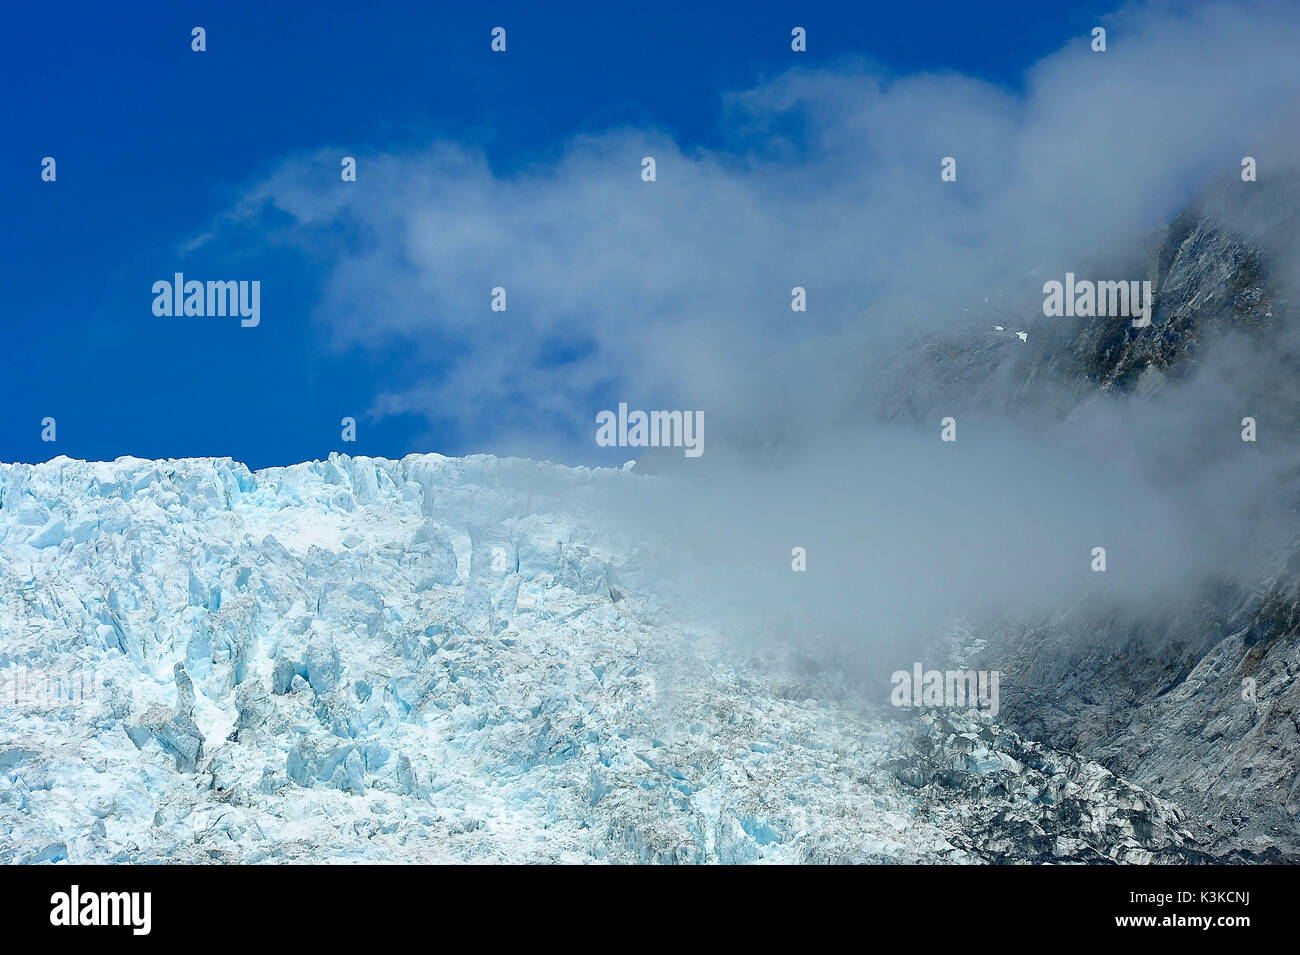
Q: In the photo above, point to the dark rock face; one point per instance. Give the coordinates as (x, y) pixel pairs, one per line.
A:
(1217, 269)
(1202, 704)
(1203, 710)
(1015, 801)
(1206, 279)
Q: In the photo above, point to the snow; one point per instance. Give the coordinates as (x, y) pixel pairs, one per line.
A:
(420, 660)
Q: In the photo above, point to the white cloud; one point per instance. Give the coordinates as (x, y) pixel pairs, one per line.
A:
(676, 293)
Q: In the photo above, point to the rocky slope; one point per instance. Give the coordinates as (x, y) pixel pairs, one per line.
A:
(1201, 703)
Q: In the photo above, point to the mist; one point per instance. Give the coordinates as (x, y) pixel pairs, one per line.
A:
(677, 294)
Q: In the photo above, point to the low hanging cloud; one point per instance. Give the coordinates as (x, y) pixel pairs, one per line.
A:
(676, 294)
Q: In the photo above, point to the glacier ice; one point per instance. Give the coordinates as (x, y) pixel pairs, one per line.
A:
(439, 659)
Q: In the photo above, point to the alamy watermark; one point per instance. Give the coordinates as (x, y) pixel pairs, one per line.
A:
(133, 910)
(1088, 299)
(38, 688)
(977, 689)
(208, 299)
(653, 429)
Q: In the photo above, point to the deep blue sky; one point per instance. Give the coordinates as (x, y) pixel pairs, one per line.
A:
(152, 141)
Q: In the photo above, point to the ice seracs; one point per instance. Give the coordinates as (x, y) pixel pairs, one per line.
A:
(432, 659)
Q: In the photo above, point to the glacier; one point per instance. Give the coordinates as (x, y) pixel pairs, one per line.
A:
(457, 660)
